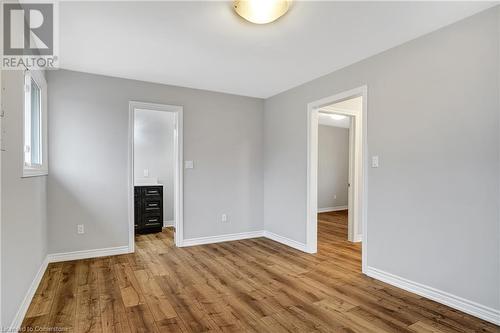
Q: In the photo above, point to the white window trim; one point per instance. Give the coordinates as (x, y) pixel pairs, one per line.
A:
(43, 169)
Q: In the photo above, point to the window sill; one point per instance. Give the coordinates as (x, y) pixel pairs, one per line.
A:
(34, 173)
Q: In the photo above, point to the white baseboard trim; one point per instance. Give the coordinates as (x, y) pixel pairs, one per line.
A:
(286, 241)
(244, 235)
(170, 223)
(486, 313)
(23, 308)
(358, 238)
(331, 209)
(86, 254)
(222, 238)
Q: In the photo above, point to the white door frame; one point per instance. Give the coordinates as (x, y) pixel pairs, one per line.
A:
(1, 147)
(178, 161)
(360, 178)
(351, 227)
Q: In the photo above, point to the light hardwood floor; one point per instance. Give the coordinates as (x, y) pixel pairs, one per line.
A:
(254, 285)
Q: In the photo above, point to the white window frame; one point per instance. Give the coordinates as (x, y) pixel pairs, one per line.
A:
(30, 170)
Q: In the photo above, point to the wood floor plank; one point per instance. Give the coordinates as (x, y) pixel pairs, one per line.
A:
(422, 327)
(112, 310)
(155, 298)
(88, 314)
(44, 296)
(63, 309)
(254, 285)
(141, 319)
(130, 289)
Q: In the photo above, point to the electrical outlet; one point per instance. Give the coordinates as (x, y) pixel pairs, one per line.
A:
(80, 229)
(224, 218)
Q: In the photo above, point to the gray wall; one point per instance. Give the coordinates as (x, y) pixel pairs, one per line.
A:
(433, 118)
(24, 218)
(333, 166)
(154, 150)
(89, 154)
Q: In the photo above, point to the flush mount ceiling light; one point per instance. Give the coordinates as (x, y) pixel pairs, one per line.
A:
(337, 116)
(261, 11)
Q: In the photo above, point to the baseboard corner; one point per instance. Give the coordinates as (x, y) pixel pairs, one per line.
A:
(287, 241)
(221, 238)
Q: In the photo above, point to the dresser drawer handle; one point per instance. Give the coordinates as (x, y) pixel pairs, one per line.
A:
(153, 220)
(152, 204)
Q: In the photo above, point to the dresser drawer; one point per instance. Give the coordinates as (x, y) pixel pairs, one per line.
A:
(152, 205)
(149, 221)
(152, 191)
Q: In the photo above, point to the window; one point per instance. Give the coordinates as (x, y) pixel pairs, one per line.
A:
(35, 125)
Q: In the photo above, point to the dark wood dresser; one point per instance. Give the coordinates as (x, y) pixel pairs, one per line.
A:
(148, 208)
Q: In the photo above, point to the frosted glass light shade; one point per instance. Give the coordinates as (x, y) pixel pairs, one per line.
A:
(261, 11)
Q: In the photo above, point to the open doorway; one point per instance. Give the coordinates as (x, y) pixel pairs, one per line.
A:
(343, 199)
(334, 175)
(155, 171)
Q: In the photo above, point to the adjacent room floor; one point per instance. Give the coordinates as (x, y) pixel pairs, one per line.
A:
(254, 285)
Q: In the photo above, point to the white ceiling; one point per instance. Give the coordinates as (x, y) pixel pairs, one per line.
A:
(205, 45)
